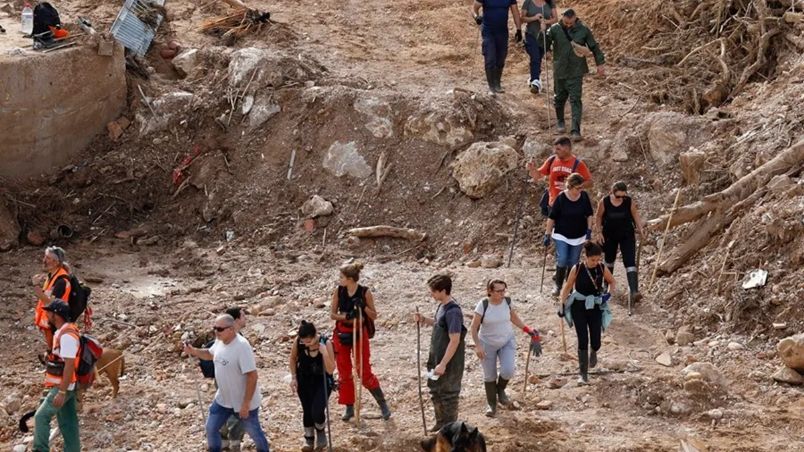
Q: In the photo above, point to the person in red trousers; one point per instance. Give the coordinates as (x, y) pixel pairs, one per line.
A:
(350, 302)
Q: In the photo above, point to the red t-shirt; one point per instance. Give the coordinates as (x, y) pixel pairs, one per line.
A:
(558, 170)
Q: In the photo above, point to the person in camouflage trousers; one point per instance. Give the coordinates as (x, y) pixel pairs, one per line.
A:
(570, 42)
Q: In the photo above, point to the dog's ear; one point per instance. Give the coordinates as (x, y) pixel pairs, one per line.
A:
(473, 433)
(464, 430)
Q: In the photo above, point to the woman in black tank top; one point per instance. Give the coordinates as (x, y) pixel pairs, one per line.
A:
(585, 281)
(312, 363)
(616, 220)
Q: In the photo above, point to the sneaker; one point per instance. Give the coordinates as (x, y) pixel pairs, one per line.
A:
(583, 380)
(536, 86)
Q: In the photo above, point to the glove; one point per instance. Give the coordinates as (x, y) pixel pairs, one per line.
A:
(588, 234)
(606, 296)
(479, 19)
(546, 241)
(535, 341)
(518, 36)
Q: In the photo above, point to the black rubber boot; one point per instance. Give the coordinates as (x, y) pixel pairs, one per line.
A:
(502, 397)
(320, 437)
(498, 80)
(491, 398)
(450, 411)
(593, 359)
(490, 79)
(561, 126)
(561, 273)
(438, 409)
(349, 413)
(583, 366)
(633, 286)
(380, 398)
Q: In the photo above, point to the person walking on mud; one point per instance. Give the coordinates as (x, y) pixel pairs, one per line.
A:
(537, 15)
(232, 432)
(571, 42)
(352, 302)
(557, 168)
(618, 219)
(569, 225)
(238, 392)
(447, 351)
(312, 363)
(54, 285)
(494, 341)
(494, 31)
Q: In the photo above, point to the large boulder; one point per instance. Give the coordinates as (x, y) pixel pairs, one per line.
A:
(481, 168)
(266, 67)
(439, 128)
(791, 351)
(167, 108)
(671, 133)
(703, 377)
(343, 159)
(9, 228)
(788, 375)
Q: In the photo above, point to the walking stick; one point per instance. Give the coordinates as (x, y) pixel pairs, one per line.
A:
(546, 82)
(359, 382)
(516, 227)
(630, 301)
(664, 239)
(419, 370)
(525, 385)
(544, 266)
(326, 400)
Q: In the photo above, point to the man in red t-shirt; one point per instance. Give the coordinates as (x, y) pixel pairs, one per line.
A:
(558, 167)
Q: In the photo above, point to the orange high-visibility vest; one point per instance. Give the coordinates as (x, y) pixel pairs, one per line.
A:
(53, 379)
(40, 316)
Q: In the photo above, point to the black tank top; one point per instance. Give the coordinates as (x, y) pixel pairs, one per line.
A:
(347, 303)
(584, 284)
(617, 220)
(309, 366)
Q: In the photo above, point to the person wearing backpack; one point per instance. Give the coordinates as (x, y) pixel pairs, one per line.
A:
(447, 351)
(494, 341)
(50, 286)
(312, 363)
(569, 226)
(557, 169)
(60, 381)
(585, 305)
(352, 302)
(232, 432)
(617, 219)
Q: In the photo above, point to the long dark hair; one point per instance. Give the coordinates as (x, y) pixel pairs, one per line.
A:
(306, 329)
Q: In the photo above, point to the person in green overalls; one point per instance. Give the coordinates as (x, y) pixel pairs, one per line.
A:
(447, 351)
(567, 40)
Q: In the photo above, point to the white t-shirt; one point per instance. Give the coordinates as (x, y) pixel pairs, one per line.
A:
(67, 349)
(232, 363)
(496, 329)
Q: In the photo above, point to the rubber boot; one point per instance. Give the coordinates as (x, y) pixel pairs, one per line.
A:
(380, 398)
(308, 439)
(561, 126)
(490, 79)
(349, 413)
(633, 286)
(561, 273)
(593, 359)
(491, 398)
(320, 437)
(450, 411)
(498, 80)
(438, 409)
(583, 366)
(502, 397)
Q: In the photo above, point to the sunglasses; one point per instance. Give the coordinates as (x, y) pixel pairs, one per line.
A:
(499, 290)
(620, 196)
(221, 329)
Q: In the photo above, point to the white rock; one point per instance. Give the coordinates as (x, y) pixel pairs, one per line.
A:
(264, 108)
(788, 375)
(671, 133)
(316, 207)
(20, 448)
(684, 337)
(734, 346)
(490, 261)
(480, 169)
(168, 107)
(186, 62)
(715, 414)
(791, 351)
(343, 159)
(707, 371)
(379, 113)
(664, 359)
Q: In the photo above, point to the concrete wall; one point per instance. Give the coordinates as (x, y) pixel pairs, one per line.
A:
(53, 104)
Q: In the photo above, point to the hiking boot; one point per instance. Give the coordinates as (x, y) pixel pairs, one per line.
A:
(349, 413)
(502, 397)
(576, 136)
(593, 358)
(308, 439)
(498, 80)
(320, 438)
(561, 273)
(491, 398)
(633, 286)
(583, 367)
(490, 81)
(380, 398)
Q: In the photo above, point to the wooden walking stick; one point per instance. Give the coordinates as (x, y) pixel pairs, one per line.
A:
(516, 226)
(544, 266)
(525, 384)
(419, 369)
(546, 82)
(664, 238)
(359, 400)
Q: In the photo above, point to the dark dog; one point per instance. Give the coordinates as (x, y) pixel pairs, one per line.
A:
(456, 437)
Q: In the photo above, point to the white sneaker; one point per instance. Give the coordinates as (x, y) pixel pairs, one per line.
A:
(535, 86)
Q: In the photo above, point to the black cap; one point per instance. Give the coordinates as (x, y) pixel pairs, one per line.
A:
(60, 308)
(569, 13)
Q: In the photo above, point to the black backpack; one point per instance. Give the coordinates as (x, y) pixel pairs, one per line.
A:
(207, 366)
(544, 203)
(45, 16)
(486, 307)
(79, 297)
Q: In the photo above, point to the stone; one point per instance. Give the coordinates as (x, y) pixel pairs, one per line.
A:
(779, 184)
(35, 238)
(556, 383)
(704, 371)
(186, 62)
(442, 128)
(474, 263)
(544, 405)
(20, 448)
(9, 228)
(343, 159)
(664, 359)
(780, 326)
(788, 375)
(734, 346)
(379, 113)
(534, 149)
(684, 337)
(670, 337)
(671, 133)
(316, 207)
(167, 107)
(715, 413)
(12, 403)
(791, 351)
(263, 109)
(691, 164)
(115, 131)
(481, 168)
(490, 261)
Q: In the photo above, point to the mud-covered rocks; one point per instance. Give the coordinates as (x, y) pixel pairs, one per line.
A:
(671, 133)
(787, 375)
(791, 351)
(703, 377)
(316, 206)
(186, 62)
(342, 159)
(480, 169)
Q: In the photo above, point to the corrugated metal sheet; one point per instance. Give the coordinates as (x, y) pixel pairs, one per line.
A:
(130, 31)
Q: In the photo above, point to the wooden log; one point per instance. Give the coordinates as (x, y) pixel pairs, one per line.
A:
(387, 231)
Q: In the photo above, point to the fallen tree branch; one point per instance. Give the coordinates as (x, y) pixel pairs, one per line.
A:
(736, 192)
(387, 231)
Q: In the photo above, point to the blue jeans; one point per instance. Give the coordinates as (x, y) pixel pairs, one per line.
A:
(495, 48)
(218, 416)
(567, 255)
(536, 53)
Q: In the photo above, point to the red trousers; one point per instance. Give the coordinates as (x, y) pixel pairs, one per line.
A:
(343, 358)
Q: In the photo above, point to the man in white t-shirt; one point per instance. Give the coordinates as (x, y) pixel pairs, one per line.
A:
(236, 375)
